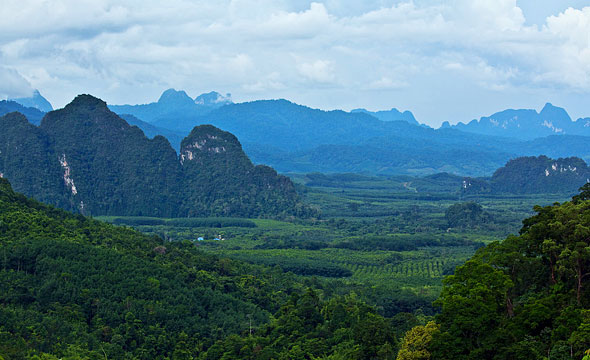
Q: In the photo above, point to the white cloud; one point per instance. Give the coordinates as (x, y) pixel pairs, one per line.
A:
(269, 82)
(386, 83)
(129, 51)
(13, 85)
(299, 25)
(321, 71)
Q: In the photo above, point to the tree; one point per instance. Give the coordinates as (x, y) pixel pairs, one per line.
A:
(583, 195)
(416, 343)
(474, 306)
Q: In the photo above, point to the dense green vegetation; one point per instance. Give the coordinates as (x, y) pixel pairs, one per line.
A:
(533, 175)
(527, 297)
(76, 288)
(390, 245)
(84, 158)
(467, 214)
(345, 285)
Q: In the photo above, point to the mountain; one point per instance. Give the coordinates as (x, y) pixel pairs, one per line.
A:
(390, 115)
(534, 175)
(32, 114)
(86, 158)
(213, 99)
(24, 158)
(292, 127)
(556, 146)
(527, 124)
(36, 101)
(296, 138)
(175, 110)
(151, 131)
(222, 180)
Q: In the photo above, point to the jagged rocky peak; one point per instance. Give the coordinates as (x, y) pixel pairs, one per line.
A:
(554, 113)
(208, 140)
(36, 100)
(175, 97)
(390, 115)
(213, 98)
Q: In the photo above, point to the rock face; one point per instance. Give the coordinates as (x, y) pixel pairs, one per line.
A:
(86, 158)
(215, 168)
(533, 175)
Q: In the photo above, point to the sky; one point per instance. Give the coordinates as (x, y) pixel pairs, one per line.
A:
(452, 60)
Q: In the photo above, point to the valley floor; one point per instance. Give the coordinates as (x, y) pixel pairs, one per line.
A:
(380, 238)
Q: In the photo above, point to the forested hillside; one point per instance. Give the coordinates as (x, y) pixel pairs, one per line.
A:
(32, 114)
(533, 175)
(85, 158)
(76, 288)
(527, 297)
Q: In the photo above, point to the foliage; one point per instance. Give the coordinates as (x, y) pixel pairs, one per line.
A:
(307, 327)
(85, 158)
(417, 341)
(525, 297)
(534, 175)
(467, 214)
(76, 288)
(216, 222)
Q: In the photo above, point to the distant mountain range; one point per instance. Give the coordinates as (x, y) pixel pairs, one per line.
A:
(527, 124)
(390, 115)
(86, 158)
(175, 110)
(296, 138)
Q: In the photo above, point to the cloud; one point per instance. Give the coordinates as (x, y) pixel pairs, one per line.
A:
(313, 51)
(298, 25)
(321, 71)
(13, 85)
(269, 82)
(386, 83)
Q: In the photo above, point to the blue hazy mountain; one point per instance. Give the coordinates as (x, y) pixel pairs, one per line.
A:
(293, 127)
(390, 115)
(32, 114)
(175, 109)
(527, 124)
(296, 138)
(213, 99)
(36, 101)
(175, 138)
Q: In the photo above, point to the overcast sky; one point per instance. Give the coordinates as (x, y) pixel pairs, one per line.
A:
(449, 60)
